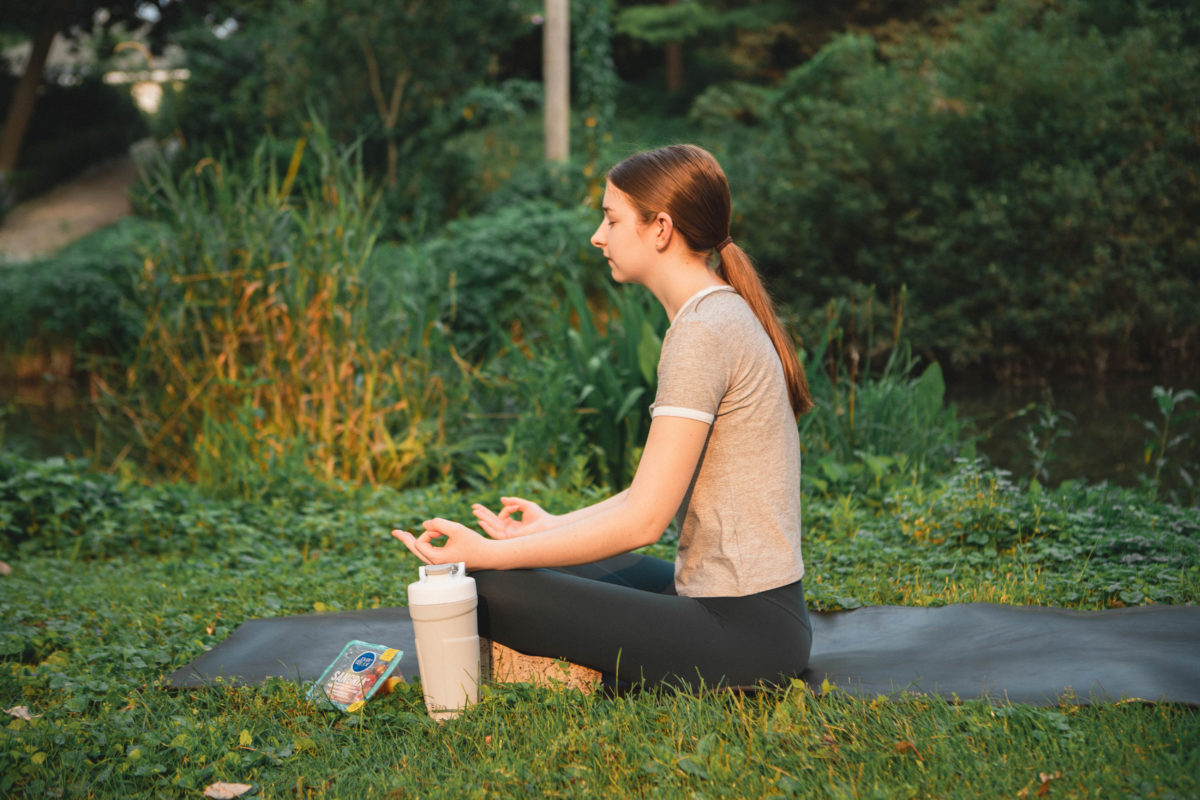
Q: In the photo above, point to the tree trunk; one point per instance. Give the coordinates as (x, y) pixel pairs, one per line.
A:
(20, 110)
(556, 78)
(674, 66)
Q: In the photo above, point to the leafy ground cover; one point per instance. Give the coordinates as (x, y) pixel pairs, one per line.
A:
(115, 584)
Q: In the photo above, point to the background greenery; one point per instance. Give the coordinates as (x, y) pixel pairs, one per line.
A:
(333, 315)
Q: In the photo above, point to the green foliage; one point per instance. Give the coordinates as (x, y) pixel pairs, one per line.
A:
(491, 280)
(873, 429)
(394, 77)
(594, 75)
(83, 296)
(614, 363)
(974, 535)
(1022, 178)
(1043, 433)
(1165, 443)
(676, 22)
(257, 346)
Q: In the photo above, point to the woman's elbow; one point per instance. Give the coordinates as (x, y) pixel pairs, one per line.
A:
(644, 523)
(648, 529)
(647, 536)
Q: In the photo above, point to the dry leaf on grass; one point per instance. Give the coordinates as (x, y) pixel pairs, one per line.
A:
(226, 791)
(1043, 789)
(20, 712)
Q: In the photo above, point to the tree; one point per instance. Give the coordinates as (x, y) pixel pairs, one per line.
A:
(675, 23)
(42, 22)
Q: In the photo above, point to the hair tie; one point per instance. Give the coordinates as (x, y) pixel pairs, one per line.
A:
(725, 241)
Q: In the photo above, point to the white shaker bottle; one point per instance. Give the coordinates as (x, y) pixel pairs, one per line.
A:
(442, 604)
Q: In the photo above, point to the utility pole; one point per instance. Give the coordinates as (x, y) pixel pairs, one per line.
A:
(556, 78)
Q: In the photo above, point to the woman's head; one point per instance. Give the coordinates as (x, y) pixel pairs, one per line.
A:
(686, 183)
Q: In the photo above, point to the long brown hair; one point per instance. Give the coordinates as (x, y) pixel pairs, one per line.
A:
(687, 183)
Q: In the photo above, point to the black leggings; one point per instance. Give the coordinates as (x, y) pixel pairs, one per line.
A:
(621, 616)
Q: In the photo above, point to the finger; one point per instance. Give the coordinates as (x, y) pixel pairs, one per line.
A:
(515, 503)
(496, 531)
(488, 527)
(484, 514)
(411, 544)
(444, 527)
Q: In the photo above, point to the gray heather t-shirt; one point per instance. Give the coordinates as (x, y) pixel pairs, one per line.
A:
(739, 524)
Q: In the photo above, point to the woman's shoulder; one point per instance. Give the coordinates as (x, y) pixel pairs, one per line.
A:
(726, 312)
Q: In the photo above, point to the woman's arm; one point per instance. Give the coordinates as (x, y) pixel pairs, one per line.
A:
(624, 522)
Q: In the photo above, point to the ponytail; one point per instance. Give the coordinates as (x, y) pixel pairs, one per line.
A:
(736, 269)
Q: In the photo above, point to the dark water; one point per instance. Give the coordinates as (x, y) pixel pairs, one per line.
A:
(1106, 439)
(43, 419)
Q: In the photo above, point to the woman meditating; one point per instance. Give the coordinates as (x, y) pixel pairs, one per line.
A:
(722, 458)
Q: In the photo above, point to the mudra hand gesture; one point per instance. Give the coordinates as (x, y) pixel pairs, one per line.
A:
(505, 526)
(463, 544)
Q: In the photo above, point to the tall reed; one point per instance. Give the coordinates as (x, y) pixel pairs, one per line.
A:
(256, 351)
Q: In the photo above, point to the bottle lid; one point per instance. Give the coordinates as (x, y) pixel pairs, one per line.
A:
(441, 583)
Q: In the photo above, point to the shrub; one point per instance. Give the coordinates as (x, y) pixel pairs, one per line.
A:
(393, 78)
(256, 351)
(1023, 179)
(492, 281)
(81, 296)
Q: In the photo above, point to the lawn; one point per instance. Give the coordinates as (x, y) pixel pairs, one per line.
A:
(120, 583)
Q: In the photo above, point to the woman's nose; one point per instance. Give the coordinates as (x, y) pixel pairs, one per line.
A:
(597, 240)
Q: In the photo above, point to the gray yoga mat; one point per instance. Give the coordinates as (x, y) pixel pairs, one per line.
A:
(1019, 654)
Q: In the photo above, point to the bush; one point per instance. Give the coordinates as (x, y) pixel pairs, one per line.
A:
(82, 296)
(396, 79)
(492, 281)
(1023, 179)
(256, 355)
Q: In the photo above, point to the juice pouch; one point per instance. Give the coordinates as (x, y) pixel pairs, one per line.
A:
(355, 675)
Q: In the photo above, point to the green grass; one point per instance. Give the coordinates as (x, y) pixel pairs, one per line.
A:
(93, 621)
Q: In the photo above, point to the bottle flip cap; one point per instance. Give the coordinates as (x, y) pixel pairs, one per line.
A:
(442, 583)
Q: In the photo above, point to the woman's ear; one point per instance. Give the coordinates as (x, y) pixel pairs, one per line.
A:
(664, 229)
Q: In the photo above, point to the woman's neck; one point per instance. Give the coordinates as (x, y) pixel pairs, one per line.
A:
(678, 281)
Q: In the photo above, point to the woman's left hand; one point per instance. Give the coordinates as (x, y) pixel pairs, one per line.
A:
(462, 544)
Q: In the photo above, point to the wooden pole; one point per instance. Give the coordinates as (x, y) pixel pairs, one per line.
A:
(556, 77)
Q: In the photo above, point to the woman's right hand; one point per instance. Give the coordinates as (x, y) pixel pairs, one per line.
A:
(504, 526)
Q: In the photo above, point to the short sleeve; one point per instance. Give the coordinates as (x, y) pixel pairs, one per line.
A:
(692, 375)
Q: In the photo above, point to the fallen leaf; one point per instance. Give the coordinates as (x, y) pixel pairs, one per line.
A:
(908, 747)
(226, 791)
(1046, 778)
(5, 569)
(20, 712)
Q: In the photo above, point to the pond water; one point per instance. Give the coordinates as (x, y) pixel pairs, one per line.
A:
(1105, 438)
(43, 419)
